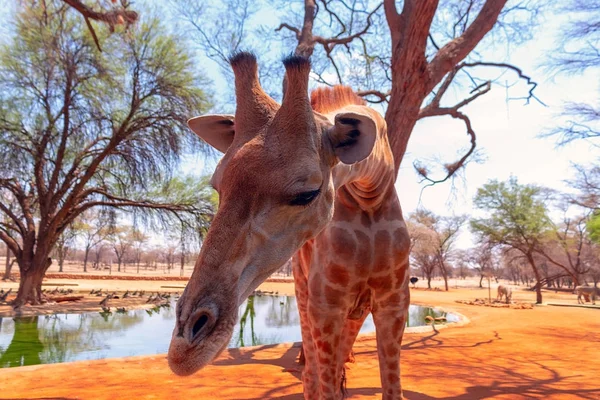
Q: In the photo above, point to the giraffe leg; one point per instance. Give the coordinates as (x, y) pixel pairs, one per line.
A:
(310, 377)
(327, 336)
(389, 315)
(351, 330)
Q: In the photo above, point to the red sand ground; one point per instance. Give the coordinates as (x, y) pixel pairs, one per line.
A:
(546, 353)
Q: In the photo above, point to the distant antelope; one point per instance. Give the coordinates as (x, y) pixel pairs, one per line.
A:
(505, 291)
(583, 291)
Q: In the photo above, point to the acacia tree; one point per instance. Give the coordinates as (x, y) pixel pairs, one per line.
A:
(121, 240)
(406, 60)
(81, 129)
(64, 244)
(443, 233)
(93, 231)
(518, 219)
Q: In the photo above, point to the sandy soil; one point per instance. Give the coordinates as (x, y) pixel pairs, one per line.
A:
(547, 353)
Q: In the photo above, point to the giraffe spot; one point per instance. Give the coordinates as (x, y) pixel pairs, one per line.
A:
(342, 243)
(326, 377)
(364, 256)
(326, 348)
(315, 287)
(392, 365)
(343, 213)
(337, 274)
(323, 360)
(393, 299)
(397, 327)
(365, 220)
(328, 328)
(380, 283)
(333, 296)
(316, 333)
(400, 275)
(393, 377)
(390, 349)
(382, 250)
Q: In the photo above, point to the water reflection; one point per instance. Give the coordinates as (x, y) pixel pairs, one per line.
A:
(71, 337)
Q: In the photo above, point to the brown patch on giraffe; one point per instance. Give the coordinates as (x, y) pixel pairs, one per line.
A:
(342, 243)
(393, 299)
(337, 274)
(390, 349)
(328, 328)
(392, 365)
(316, 333)
(365, 220)
(333, 296)
(393, 377)
(343, 213)
(380, 283)
(401, 246)
(326, 347)
(382, 256)
(315, 287)
(364, 255)
(397, 327)
(400, 275)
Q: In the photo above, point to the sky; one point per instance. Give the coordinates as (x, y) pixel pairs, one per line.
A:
(507, 131)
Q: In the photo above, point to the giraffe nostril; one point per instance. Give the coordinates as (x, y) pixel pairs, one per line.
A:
(199, 324)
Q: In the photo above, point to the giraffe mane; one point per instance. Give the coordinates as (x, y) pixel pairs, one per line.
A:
(328, 99)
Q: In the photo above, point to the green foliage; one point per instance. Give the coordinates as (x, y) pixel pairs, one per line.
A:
(593, 227)
(518, 216)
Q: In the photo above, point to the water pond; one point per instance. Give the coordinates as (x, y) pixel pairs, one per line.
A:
(59, 338)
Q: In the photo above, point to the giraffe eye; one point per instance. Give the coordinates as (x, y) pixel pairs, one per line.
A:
(305, 198)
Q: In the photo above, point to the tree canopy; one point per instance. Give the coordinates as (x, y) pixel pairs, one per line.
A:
(80, 128)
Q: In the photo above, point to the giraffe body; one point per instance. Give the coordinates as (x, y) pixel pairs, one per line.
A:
(313, 179)
(358, 264)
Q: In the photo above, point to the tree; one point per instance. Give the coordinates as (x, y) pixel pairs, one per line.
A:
(138, 240)
(93, 230)
(481, 258)
(578, 51)
(81, 129)
(518, 219)
(403, 59)
(121, 239)
(443, 232)
(64, 244)
(422, 248)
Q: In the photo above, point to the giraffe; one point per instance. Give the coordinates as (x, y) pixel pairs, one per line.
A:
(313, 179)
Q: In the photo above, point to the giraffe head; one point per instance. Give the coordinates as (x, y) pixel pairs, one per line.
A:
(275, 192)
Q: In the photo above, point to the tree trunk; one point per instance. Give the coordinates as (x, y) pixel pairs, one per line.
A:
(481, 281)
(85, 258)
(30, 285)
(8, 267)
(429, 282)
(182, 264)
(538, 279)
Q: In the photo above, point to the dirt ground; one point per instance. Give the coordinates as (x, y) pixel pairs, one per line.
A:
(548, 352)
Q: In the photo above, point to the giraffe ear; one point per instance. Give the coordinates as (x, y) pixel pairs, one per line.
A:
(353, 136)
(216, 130)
